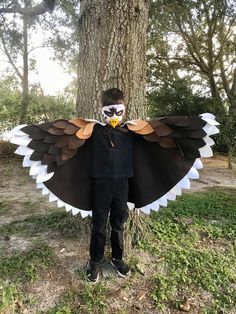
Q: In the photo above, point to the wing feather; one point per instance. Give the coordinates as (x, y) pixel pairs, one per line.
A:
(48, 146)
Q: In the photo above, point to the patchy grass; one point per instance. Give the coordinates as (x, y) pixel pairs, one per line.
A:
(57, 221)
(10, 298)
(4, 207)
(194, 241)
(54, 221)
(88, 299)
(25, 266)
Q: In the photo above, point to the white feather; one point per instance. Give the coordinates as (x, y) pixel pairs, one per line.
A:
(207, 115)
(23, 151)
(37, 168)
(211, 121)
(130, 205)
(68, 207)
(176, 190)
(40, 185)
(198, 164)
(210, 129)
(162, 201)
(209, 141)
(52, 197)
(145, 209)
(193, 173)
(45, 190)
(17, 128)
(171, 196)
(75, 211)
(21, 140)
(184, 183)
(155, 205)
(27, 162)
(85, 213)
(205, 151)
(44, 176)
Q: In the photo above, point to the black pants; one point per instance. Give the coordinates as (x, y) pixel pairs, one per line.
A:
(109, 196)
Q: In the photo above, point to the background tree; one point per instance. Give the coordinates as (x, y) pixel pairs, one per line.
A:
(14, 39)
(196, 39)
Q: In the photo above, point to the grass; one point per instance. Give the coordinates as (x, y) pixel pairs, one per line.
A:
(4, 207)
(37, 223)
(10, 298)
(25, 266)
(57, 221)
(193, 248)
(90, 298)
(194, 241)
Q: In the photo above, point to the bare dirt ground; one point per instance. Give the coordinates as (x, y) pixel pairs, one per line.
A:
(21, 200)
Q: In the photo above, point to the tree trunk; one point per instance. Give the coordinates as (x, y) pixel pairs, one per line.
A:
(25, 79)
(112, 54)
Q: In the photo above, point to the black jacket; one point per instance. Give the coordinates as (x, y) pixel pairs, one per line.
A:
(112, 152)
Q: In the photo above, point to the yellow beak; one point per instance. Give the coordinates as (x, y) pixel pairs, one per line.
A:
(114, 122)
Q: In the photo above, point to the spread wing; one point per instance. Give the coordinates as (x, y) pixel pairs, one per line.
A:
(167, 154)
(47, 148)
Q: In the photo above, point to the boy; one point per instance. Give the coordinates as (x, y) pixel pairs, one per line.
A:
(111, 166)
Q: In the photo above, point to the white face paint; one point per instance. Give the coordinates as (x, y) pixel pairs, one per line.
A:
(113, 114)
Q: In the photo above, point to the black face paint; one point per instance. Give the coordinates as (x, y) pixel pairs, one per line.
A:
(113, 111)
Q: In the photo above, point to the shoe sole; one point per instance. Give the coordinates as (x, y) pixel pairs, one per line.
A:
(122, 275)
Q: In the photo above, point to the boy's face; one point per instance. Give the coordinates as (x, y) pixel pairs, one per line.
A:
(113, 114)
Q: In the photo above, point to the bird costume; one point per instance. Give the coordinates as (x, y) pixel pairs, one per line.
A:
(163, 156)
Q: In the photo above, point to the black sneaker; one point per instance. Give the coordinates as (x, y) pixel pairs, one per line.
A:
(92, 273)
(122, 268)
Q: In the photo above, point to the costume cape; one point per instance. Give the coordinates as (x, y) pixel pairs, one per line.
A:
(166, 154)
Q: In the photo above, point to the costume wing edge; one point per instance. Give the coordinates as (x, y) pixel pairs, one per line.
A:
(38, 171)
(143, 128)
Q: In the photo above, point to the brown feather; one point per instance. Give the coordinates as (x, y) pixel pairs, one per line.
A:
(53, 150)
(56, 131)
(62, 141)
(146, 130)
(62, 124)
(80, 134)
(88, 129)
(152, 137)
(140, 124)
(47, 159)
(167, 142)
(67, 153)
(49, 138)
(163, 130)
(79, 122)
(74, 142)
(71, 129)
(45, 126)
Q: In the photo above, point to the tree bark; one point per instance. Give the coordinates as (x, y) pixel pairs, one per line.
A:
(112, 54)
(25, 78)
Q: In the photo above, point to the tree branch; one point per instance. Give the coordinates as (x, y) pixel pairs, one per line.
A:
(233, 88)
(10, 59)
(41, 8)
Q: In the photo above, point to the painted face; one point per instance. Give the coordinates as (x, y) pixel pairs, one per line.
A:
(113, 114)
